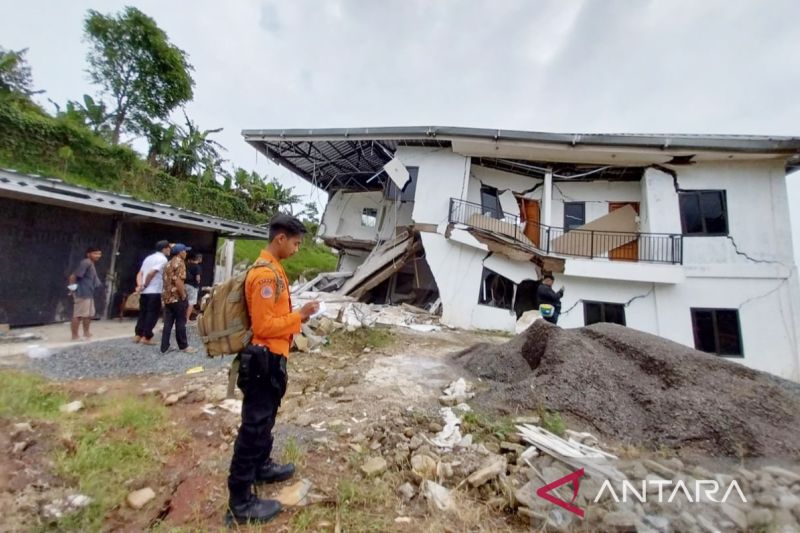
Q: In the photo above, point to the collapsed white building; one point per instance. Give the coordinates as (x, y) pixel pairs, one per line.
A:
(684, 236)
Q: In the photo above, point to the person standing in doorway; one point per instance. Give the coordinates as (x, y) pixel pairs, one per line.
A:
(548, 296)
(149, 282)
(87, 280)
(175, 300)
(193, 275)
(262, 372)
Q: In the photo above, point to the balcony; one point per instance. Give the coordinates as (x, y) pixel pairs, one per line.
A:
(660, 248)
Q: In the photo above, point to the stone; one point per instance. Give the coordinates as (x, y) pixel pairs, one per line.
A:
(152, 391)
(789, 501)
(434, 427)
(72, 407)
(408, 432)
(706, 524)
(415, 442)
(511, 447)
(526, 495)
(21, 446)
(746, 474)
(490, 469)
(423, 466)
(402, 520)
(101, 390)
(784, 522)
(139, 498)
(674, 463)
(534, 420)
(766, 500)
(658, 523)
(172, 399)
(621, 521)
(787, 475)
(374, 466)
(21, 427)
(295, 495)
(493, 447)
(407, 491)
(635, 471)
(658, 468)
(734, 515)
(465, 442)
(759, 518)
(438, 497)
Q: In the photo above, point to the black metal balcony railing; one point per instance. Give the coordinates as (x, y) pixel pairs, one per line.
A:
(549, 240)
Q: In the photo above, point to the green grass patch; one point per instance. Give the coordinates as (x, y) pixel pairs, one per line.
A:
(483, 426)
(552, 421)
(364, 337)
(126, 439)
(311, 260)
(292, 453)
(28, 396)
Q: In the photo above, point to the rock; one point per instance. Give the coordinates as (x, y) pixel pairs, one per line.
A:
(21, 446)
(408, 432)
(784, 522)
(195, 396)
(659, 469)
(526, 495)
(766, 500)
(172, 399)
(527, 420)
(537, 518)
(438, 497)
(402, 520)
(465, 442)
(674, 463)
(423, 466)
(490, 469)
(759, 518)
(72, 407)
(734, 515)
(434, 427)
(658, 523)
(374, 466)
(636, 471)
(415, 442)
(787, 475)
(139, 498)
(152, 391)
(101, 390)
(444, 470)
(407, 490)
(789, 501)
(511, 447)
(706, 524)
(21, 427)
(746, 474)
(336, 392)
(493, 447)
(620, 521)
(295, 494)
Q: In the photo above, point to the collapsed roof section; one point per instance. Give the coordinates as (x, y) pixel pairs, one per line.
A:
(351, 158)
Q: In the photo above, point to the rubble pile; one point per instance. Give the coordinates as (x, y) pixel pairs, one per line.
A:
(641, 389)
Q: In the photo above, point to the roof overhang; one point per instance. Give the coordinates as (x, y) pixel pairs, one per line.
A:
(350, 157)
(51, 191)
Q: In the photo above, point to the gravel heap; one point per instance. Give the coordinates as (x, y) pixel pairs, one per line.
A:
(121, 357)
(641, 389)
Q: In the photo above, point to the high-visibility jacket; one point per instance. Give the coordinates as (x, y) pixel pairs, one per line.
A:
(272, 319)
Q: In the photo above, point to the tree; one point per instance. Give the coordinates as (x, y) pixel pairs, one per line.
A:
(91, 114)
(15, 73)
(134, 63)
(194, 153)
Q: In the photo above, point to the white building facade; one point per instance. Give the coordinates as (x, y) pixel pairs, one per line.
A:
(685, 237)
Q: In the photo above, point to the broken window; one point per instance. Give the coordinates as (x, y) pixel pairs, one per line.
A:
(490, 202)
(594, 312)
(391, 192)
(717, 331)
(496, 290)
(369, 217)
(574, 215)
(704, 212)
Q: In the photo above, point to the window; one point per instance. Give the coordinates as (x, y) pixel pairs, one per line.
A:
(717, 331)
(496, 290)
(574, 215)
(594, 312)
(391, 191)
(369, 217)
(704, 213)
(490, 203)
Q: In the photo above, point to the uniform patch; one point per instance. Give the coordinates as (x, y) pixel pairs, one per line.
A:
(266, 291)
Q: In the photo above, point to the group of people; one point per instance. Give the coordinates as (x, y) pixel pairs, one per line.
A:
(165, 281)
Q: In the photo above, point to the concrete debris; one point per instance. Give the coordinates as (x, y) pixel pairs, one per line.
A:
(450, 434)
(438, 497)
(64, 506)
(407, 491)
(72, 407)
(139, 498)
(21, 427)
(374, 466)
(490, 469)
(232, 405)
(423, 467)
(295, 495)
(172, 399)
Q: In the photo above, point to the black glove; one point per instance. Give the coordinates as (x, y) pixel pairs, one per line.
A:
(560, 291)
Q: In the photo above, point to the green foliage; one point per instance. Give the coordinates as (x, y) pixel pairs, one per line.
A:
(135, 64)
(311, 260)
(552, 421)
(483, 426)
(364, 337)
(15, 73)
(28, 396)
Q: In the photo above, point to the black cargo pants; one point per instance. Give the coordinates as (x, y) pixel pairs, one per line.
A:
(262, 380)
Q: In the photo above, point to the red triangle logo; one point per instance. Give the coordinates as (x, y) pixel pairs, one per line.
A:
(575, 479)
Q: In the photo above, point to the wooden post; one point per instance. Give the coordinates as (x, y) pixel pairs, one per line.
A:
(111, 275)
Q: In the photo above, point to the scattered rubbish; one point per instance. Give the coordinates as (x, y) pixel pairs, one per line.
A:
(450, 435)
(195, 370)
(231, 405)
(72, 407)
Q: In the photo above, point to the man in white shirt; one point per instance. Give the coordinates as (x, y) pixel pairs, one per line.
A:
(149, 282)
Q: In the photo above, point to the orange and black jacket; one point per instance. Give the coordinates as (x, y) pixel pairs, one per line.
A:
(272, 319)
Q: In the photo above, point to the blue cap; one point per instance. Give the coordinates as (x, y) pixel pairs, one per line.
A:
(178, 248)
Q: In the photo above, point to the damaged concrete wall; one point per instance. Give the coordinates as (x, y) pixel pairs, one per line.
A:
(394, 214)
(502, 181)
(640, 314)
(342, 217)
(596, 196)
(442, 175)
(659, 210)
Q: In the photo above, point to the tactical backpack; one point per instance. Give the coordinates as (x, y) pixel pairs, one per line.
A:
(224, 323)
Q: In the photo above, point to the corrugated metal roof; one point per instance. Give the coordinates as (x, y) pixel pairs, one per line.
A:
(36, 188)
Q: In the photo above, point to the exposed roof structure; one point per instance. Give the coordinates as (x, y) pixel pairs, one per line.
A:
(344, 157)
(35, 188)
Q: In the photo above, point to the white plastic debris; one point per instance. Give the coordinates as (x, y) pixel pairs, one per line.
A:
(450, 435)
(35, 351)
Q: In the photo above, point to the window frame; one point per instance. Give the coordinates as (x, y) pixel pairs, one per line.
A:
(485, 273)
(495, 212)
(364, 214)
(583, 207)
(714, 310)
(698, 194)
(408, 192)
(603, 312)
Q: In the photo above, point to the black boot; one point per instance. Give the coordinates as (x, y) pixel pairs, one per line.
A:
(273, 472)
(251, 509)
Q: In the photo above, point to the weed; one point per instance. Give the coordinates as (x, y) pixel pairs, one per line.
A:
(483, 426)
(552, 421)
(292, 453)
(28, 396)
(356, 341)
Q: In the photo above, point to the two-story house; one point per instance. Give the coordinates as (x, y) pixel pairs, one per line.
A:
(683, 236)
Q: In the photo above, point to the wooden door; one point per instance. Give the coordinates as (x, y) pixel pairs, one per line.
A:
(628, 251)
(530, 210)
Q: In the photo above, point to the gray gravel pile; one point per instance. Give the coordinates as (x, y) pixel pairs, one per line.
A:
(121, 357)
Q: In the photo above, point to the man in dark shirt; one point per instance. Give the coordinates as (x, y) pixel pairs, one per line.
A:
(547, 295)
(87, 280)
(193, 274)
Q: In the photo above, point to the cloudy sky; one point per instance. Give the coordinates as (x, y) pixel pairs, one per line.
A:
(666, 66)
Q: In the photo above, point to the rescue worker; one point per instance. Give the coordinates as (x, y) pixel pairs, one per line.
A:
(262, 373)
(546, 295)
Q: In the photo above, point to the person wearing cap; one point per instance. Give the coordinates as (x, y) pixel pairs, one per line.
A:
(149, 282)
(175, 300)
(547, 296)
